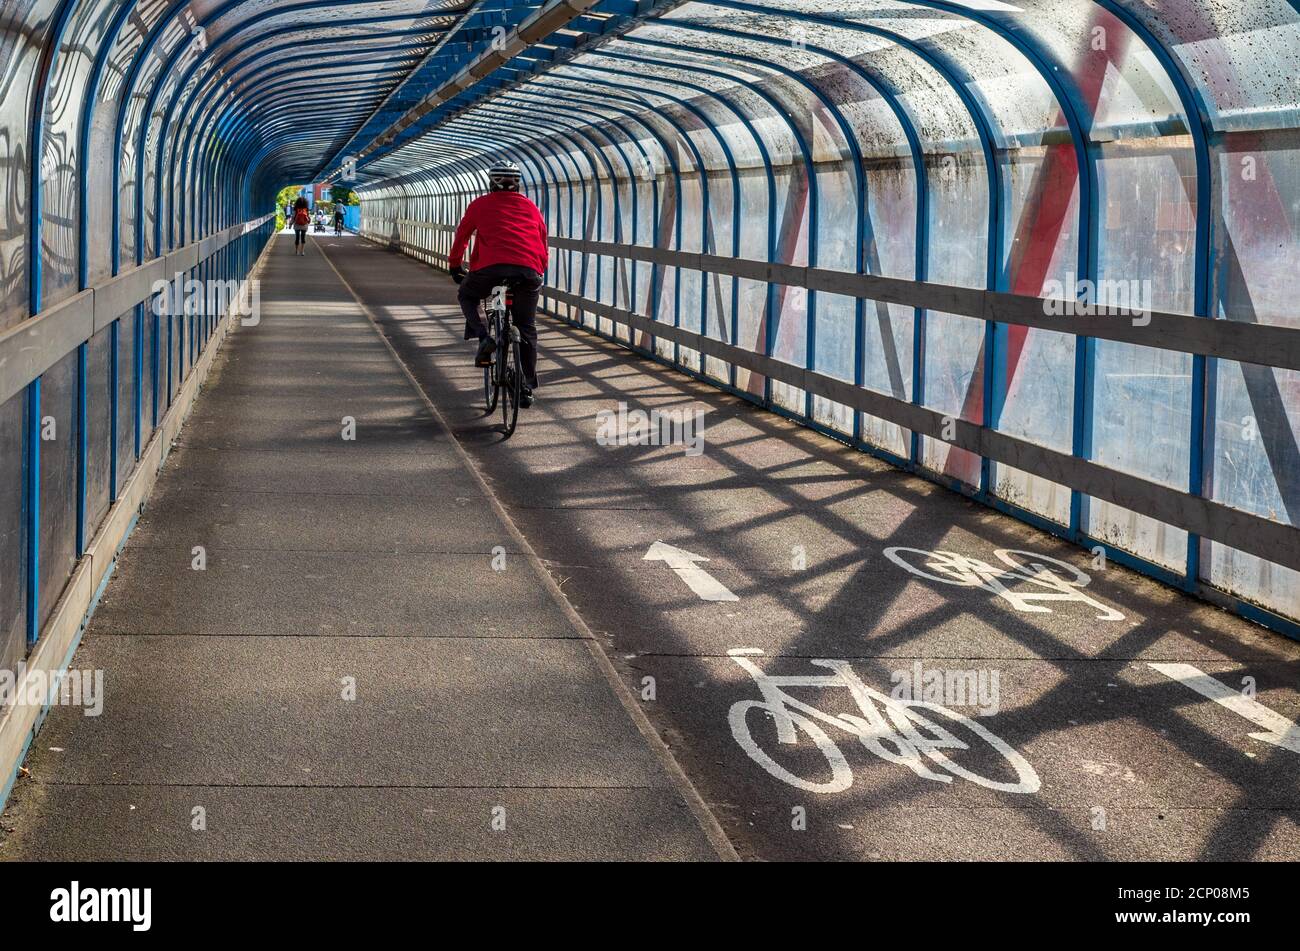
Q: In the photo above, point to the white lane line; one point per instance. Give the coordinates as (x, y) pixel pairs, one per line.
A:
(1278, 730)
(697, 579)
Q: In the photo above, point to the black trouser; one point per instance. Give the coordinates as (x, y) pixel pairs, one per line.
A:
(526, 283)
(299, 236)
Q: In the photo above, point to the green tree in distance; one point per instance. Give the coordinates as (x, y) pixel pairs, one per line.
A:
(284, 197)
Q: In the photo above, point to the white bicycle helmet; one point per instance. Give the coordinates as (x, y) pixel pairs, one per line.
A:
(504, 176)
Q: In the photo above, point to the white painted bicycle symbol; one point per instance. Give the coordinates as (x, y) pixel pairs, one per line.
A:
(894, 730)
(1056, 580)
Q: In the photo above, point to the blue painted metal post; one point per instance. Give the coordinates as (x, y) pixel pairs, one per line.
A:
(32, 493)
(171, 349)
(137, 376)
(114, 363)
(154, 367)
(83, 449)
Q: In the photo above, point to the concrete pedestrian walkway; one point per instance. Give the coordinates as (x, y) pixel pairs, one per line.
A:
(325, 640)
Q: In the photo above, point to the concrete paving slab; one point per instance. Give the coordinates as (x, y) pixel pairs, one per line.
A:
(380, 402)
(270, 521)
(262, 824)
(361, 429)
(437, 473)
(373, 594)
(248, 711)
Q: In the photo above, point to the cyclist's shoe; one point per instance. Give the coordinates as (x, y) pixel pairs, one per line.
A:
(525, 397)
(486, 346)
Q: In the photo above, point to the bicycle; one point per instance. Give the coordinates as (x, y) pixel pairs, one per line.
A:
(906, 738)
(503, 377)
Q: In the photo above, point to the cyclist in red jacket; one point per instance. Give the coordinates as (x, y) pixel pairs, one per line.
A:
(510, 245)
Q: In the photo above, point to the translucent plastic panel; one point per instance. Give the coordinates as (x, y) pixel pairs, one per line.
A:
(1259, 243)
(1037, 377)
(1142, 425)
(125, 397)
(23, 28)
(64, 93)
(677, 91)
(1134, 532)
(1021, 105)
(1150, 258)
(13, 543)
(59, 436)
(1034, 383)
(789, 334)
(99, 414)
(953, 364)
(1256, 434)
(953, 349)
(99, 183)
(775, 41)
(126, 203)
(1120, 80)
(959, 210)
(731, 79)
(835, 328)
(1256, 410)
(1243, 54)
(149, 380)
(1143, 397)
(889, 328)
(692, 120)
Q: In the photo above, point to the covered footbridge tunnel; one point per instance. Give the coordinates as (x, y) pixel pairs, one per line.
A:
(1040, 253)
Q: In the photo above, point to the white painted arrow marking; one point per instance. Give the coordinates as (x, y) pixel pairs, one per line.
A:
(683, 562)
(1279, 731)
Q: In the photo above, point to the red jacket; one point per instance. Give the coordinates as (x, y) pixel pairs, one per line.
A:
(510, 230)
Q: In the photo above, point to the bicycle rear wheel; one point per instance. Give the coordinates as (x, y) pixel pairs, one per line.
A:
(492, 374)
(513, 386)
(490, 386)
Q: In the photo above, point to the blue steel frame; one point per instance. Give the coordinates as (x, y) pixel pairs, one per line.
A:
(682, 136)
(797, 136)
(759, 143)
(196, 104)
(1078, 115)
(576, 104)
(32, 457)
(223, 82)
(864, 229)
(239, 251)
(725, 149)
(164, 76)
(249, 138)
